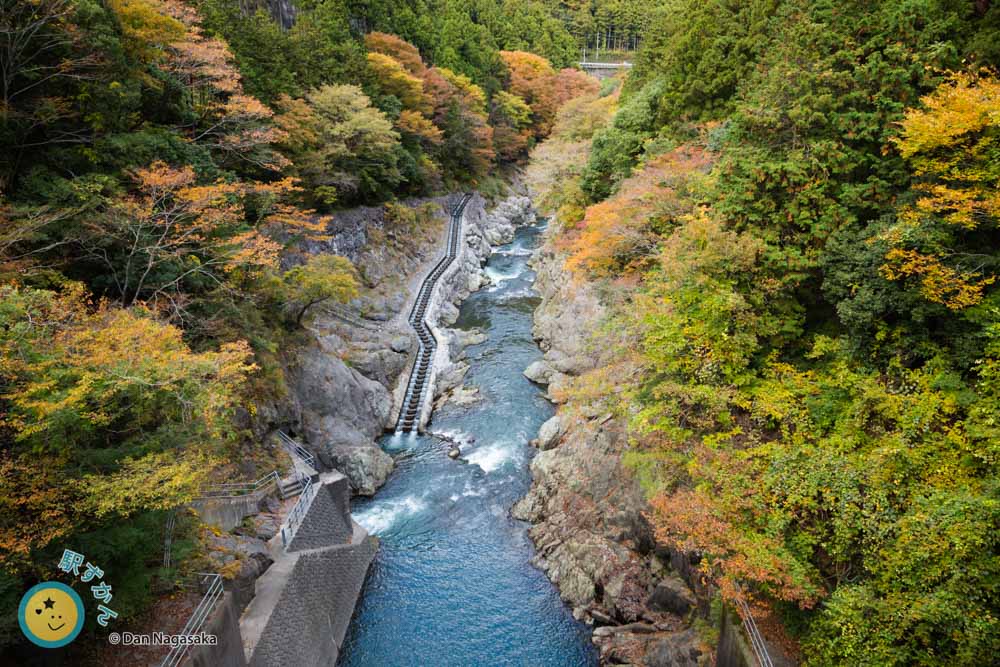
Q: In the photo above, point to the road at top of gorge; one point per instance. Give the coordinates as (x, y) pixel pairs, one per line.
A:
(452, 583)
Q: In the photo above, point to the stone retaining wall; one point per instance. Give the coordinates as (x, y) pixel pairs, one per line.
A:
(310, 620)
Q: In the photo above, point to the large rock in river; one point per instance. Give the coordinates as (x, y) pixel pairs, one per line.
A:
(342, 413)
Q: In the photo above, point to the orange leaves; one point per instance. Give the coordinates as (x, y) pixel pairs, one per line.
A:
(701, 521)
(173, 232)
(160, 178)
(533, 79)
(404, 52)
(618, 235)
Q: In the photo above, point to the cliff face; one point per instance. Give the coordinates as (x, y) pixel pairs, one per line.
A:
(590, 532)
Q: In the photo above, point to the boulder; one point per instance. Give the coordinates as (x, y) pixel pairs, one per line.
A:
(679, 649)
(549, 433)
(383, 366)
(539, 371)
(672, 595)
(366, 467)
(400, 344)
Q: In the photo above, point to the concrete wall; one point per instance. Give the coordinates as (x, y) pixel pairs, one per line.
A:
(227, 513)
(305, 600)
(733, 650)
(225, 625)
(328, 520)
(309, 621)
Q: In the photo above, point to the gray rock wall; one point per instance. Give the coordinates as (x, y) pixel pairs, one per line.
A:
(341, 413)
(590, 533)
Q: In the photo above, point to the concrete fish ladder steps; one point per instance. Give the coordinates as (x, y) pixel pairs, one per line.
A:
(420, 376)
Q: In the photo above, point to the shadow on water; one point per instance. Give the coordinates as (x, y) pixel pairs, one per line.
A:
(452, 583)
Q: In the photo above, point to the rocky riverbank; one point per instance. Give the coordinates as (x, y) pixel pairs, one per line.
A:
(346, 380)
(587, 509)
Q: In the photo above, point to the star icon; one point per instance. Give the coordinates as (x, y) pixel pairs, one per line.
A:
(49, 603)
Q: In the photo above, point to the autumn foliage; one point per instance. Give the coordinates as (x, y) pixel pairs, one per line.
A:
(163, 166)
(795, 244)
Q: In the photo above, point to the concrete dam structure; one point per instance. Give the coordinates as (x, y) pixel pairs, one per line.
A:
(302, 604)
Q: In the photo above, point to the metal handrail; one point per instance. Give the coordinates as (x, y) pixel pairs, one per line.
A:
(239, 489)
(298, 450)
(168, 537)
(756, 639)
(199, 616)
(294, 519)
(344, 316)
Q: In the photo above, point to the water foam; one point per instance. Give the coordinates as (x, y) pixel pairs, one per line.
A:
(515, 252)
(383, 516)
(502, 276)
(492, 457)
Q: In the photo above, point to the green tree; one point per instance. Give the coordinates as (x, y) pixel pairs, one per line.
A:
(322, 278)
(344, 149)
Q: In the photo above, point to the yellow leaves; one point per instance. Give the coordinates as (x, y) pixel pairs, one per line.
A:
(413, 123)
(966, 208)
(951, 143)
(472, 95)
(938, 282)
(36, 507)
(965, 105)
(98, 367)
(159, 481)
(147, 31)
(389, 76)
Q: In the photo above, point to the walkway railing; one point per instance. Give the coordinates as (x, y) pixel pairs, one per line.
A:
(168, 538)
(212, 584)
(344, 316)
(409, 413)
(756, 639)
(294, 519)
(296, 450)
(238, 489)
(589, 65)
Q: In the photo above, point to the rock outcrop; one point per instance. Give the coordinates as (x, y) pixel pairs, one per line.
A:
(587, 509)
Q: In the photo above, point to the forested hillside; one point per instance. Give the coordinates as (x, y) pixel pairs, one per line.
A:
(157, 158)
(792, 209)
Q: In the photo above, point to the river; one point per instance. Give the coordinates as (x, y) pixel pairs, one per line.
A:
(452, 583)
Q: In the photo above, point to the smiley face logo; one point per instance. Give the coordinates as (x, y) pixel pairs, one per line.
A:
(51, 614)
